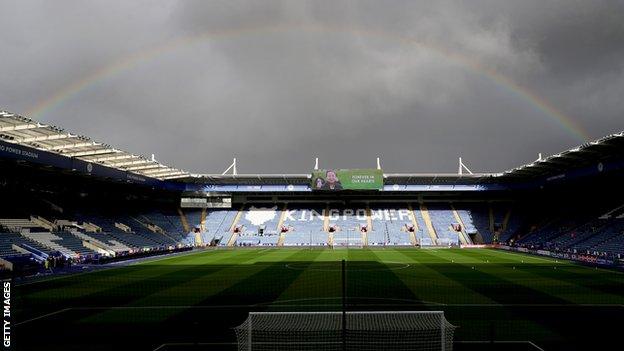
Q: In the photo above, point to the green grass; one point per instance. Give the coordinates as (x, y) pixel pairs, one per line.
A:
(177, 299)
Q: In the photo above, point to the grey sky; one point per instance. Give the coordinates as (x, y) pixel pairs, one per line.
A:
(276, 83)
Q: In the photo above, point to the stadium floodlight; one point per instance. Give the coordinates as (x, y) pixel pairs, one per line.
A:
(539, 157)
(361, 331)
(232, 167)
(463, 167)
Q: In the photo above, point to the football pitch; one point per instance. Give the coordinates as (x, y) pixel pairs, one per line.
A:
(192, 301)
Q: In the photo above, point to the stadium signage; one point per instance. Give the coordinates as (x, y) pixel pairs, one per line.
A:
(262, 215)
(335, 214)
(28, 154)
(584, 258)
(19, 152)
(347, 179)
(134, 177)
(6, 313)
(242, 188)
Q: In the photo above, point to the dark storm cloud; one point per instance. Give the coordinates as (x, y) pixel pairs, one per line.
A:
(276, 83)
(575, 38)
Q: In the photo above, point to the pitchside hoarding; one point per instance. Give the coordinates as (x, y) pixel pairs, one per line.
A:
(347, 179)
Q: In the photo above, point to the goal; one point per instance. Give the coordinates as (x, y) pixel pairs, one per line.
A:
(357, 331)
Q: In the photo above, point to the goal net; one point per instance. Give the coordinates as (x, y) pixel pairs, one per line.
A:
(357, 331)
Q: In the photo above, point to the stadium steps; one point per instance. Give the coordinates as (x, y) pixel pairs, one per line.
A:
(506, 219)
(13, 250)
(369, 226)
(91, 227)
(463, 237)
(49, 241)
(282, 238)
(430, 230)
(114, 246)
(505, 222)
(280, 223)
(184, 221)
(234, 236)
(412, 215)
(198, 239)
(202, 219)
(97, 248)
(42, 222)
(496, 233)
(232, 240)
(412, 237)
(369, 219)
(326, 222)
(153, 227)
(12, 244)
(617, 212)
(491, 216)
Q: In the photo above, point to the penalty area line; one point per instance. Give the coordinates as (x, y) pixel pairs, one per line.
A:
(279, 305)
(43, 316)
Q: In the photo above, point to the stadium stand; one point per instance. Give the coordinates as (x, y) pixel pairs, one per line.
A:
(390, 226)
(13, 244)
(83, 235)
(443, 220)
(579, 231)
(222, 225)
(87, 200)
(105, 241)
(258, 226)
(346, 224)
(306, 226)
(53, 242)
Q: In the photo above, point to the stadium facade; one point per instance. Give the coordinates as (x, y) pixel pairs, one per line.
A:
(70, 197)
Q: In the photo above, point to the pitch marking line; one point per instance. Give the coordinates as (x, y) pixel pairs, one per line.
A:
(106, 267)
(273, 304)
(399, 266)
(44, 316)
(510, 342)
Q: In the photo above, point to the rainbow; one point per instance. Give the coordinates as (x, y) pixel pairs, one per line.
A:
(70, 91)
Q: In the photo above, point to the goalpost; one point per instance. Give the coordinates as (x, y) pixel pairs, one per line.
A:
(341, 331)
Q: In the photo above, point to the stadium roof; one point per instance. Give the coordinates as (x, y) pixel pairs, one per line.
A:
(27, 132)
(295, 179)
(594, 153)
(24, 131)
